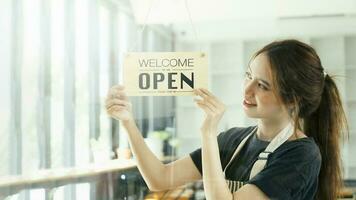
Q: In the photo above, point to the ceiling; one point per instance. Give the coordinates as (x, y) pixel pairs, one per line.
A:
(226, 19)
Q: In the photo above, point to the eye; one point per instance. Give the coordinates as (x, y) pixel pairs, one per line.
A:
(262, 86)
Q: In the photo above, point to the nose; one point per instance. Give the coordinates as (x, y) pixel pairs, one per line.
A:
(248, 88)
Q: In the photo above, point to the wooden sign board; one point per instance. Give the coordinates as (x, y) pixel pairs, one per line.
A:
(164, 73)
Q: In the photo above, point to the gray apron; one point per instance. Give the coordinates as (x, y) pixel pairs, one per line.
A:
(260, 164)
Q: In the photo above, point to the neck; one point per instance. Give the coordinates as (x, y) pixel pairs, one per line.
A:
(268, 129)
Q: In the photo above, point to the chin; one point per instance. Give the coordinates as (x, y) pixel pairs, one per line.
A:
(251, 114)
(257, 114)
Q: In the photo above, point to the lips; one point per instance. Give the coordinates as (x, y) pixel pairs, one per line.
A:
(248, 103)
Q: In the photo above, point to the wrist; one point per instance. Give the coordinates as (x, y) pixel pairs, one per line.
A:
(209, 133)
(128, 123)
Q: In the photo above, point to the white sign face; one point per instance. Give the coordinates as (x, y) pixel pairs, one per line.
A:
(164, 73)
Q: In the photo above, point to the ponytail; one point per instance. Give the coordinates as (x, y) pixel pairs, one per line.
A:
(326, 125)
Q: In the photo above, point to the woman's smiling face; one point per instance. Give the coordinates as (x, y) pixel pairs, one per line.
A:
(260, 100)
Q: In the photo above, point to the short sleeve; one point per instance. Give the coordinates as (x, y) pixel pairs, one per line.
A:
(222, 140)
(291, 173)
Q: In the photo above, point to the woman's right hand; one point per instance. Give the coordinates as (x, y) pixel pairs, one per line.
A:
(118, 105)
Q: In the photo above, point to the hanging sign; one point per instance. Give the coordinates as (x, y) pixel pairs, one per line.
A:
(164, 73)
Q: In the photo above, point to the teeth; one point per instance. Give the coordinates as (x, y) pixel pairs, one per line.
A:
(249, 102)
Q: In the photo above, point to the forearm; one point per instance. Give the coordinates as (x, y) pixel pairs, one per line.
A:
(151, 168)
(213, 178)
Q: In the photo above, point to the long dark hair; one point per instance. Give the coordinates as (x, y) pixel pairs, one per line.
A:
(317, 110)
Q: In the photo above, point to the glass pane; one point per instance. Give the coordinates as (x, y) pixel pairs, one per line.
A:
(103, 152)
(82, 85)
(57, 89)
(57, 59)
(123, 35)
(123, 46)
(82, 93)
(5, 34)
(29, 78)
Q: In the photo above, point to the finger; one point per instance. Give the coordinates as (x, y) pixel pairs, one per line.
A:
(113, 89)
(206, 109)
(117, 88)
(198, 92)
(213, 102)
(126, 106)
(206, 92)
(205, 101)
(209, 95)
(111, 93)
(213, 99)
(209, 102)
(220, 108)
(206, 104)
(112, 102)
(117, 94)
(115, 109)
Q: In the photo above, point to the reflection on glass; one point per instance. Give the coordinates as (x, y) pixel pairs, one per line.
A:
(4, 85)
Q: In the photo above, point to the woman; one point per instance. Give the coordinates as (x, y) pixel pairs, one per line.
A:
(292, 153)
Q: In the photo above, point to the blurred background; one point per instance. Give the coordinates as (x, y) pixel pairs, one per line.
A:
(58, 59)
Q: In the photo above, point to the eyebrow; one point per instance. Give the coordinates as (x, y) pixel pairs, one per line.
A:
(264, 81)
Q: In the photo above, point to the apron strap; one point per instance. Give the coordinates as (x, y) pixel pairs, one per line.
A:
(277, 141)
(239, 147)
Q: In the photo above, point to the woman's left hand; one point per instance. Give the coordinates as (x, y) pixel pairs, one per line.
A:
(213, 108)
